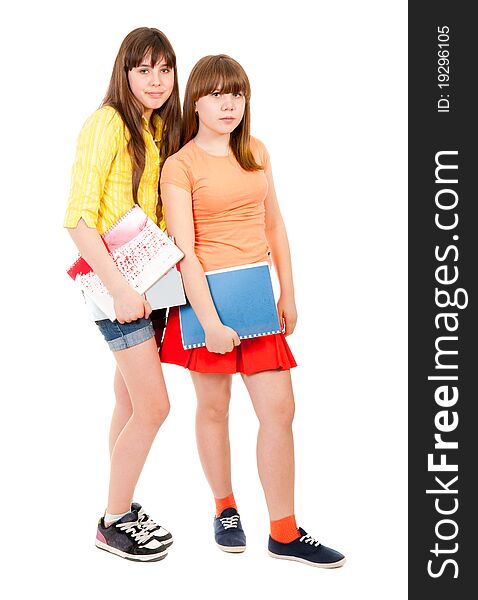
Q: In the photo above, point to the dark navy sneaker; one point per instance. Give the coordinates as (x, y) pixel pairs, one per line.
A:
(228, 531)
(307, 550)
(158, 531)
(128, 539)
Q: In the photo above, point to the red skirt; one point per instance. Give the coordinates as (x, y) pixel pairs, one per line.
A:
(265, 353)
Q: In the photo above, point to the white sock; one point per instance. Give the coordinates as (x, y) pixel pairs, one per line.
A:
(109, 518)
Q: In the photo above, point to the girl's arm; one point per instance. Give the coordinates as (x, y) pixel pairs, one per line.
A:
(128, 304)
(177, 207)
(279, 244)
(97, 147)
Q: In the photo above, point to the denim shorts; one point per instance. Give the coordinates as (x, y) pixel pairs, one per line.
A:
(120, 336)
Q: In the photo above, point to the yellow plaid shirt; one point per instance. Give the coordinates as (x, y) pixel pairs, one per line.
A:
(101, 189)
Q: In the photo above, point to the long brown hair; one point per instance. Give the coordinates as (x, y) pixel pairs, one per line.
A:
(138, 43)
(222, 73)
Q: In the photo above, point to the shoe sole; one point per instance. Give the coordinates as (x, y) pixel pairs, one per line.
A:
(334, 565)
(135, 557)
(231, 549)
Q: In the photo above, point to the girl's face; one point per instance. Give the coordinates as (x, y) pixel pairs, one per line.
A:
(151, 85)
(220, 113)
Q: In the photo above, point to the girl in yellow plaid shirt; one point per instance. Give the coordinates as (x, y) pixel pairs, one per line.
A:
(120, 150)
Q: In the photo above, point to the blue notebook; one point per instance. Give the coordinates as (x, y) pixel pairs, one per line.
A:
(244, 301)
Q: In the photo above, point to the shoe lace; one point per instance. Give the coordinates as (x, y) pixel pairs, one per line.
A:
(147, 522)
(308, 539)
(135, 530)
(229, 522)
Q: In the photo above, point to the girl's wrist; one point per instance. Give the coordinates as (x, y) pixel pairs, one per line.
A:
(287, 291)
(211, 324)
(119, 287)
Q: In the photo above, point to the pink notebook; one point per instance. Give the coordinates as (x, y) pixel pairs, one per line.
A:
(142, 252)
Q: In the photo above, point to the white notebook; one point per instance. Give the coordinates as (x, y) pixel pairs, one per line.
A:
(142, 252)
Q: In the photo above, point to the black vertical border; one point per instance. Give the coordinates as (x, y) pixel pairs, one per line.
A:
(431, 132)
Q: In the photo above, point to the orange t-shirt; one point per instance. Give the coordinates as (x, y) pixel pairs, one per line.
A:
(227, 203)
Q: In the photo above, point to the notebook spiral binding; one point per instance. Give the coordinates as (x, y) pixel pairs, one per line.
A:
(242, 337)
(115, 225)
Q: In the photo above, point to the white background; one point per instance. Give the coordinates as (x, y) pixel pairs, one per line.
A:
(329, 101)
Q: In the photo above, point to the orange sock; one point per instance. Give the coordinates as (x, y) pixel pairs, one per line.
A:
(222, 503)
(285, 530)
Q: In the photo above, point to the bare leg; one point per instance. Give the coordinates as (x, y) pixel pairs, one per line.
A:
(142, 373)
(213, 391)
(122, 411)
(273, 399)
(123, 408)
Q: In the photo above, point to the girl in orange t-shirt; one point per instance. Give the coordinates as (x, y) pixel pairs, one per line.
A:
(221, 207)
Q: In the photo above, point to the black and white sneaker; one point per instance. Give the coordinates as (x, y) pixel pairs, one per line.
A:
(228, 532)
(159, 532)
(128, 539)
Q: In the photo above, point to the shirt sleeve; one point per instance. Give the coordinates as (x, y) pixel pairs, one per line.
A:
(97, 147)
(176, 172)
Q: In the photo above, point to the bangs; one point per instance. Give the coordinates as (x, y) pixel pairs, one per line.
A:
(222, 74)
(155, 46)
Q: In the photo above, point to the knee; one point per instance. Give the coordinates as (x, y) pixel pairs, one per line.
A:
(154, 415)
(160, 413)
(216, 413)
(279, 415)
